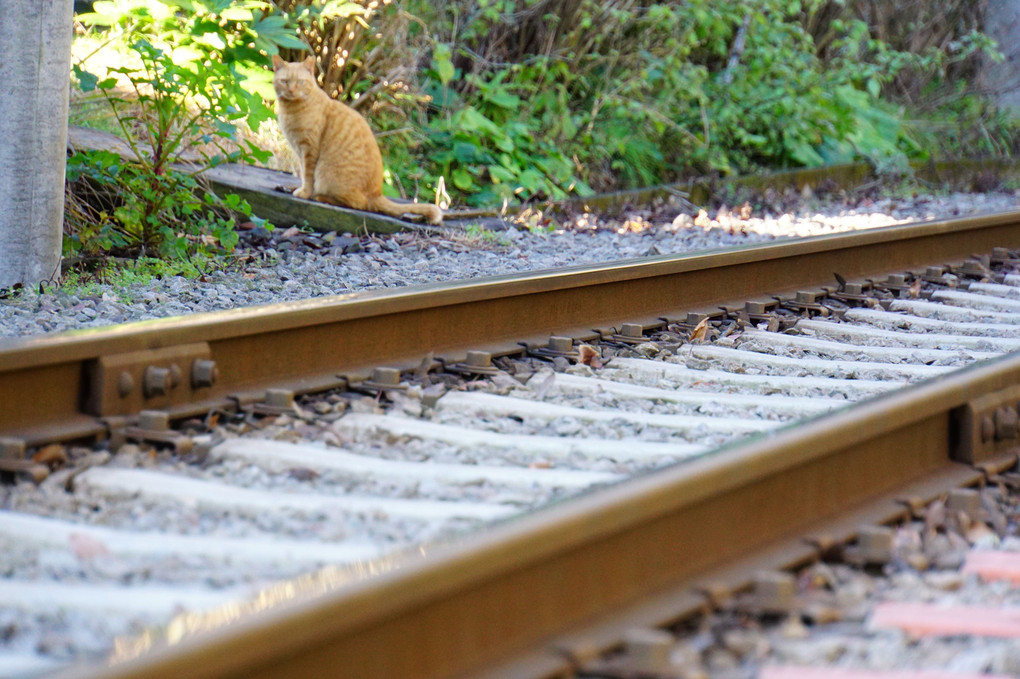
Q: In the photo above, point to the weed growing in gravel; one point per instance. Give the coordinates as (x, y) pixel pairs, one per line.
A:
(479, 234)
(123, 274)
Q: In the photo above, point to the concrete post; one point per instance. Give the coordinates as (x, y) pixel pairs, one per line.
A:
(35, 58)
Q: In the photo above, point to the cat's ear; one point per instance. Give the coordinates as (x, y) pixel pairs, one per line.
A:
(309, 64)
(277, 62)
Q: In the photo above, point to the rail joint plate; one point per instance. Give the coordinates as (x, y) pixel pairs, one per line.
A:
(151, 379)
(988, 426)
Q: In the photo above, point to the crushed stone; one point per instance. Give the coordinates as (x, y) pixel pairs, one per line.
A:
(286, 265)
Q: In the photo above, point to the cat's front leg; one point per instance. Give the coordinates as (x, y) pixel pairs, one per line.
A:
(307, 175)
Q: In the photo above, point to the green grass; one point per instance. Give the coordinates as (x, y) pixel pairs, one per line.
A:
(88, 280)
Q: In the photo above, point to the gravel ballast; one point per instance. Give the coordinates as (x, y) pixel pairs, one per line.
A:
(287, 265)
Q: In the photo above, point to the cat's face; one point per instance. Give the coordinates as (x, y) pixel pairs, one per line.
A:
(293, 81)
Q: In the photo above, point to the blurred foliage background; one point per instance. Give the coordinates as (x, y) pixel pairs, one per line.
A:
(492, 101)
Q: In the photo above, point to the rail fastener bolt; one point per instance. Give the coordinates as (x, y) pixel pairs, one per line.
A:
(556, 346)
(125, 384)
(561, 345)
(275, 402)
(1006, 420)
(154, 420)
(204, 373)
(875, 545)
(12, 449)
(634, 330)
(476, 363)
(280, 398)
(478, 359)
(175, 375)
(154, 426)
(648, 649)
(156, 381)
(987, 429)
(774, 592)
(383, 379)
(966, 501)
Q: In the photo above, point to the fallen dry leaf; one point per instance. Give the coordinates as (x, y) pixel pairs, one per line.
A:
(981, 535)
(700, 331)
(53, 456)
(915, 289)
(589, 356)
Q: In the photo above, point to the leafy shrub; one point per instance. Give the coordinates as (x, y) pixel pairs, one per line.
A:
(491, 149)
(611, 95)
(125, 209)
(522, 100)
(241, 34)
(357, 62)
(180, 99)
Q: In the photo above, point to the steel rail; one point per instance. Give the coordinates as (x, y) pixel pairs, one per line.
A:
(521, 586)
(68, 385)
(525, 584)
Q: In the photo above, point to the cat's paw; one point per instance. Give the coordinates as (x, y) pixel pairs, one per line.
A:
(302, 192)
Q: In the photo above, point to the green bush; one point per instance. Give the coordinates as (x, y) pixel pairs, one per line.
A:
(536, 100)
(177, 107)
(137, 212)
(527, 100)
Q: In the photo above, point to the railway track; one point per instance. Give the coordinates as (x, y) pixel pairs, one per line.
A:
(408, 438)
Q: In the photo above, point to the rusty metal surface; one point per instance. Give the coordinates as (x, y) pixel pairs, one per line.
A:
(463, 606)
(303, 345)
(460, 607)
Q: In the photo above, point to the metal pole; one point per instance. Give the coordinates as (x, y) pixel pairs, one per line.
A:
(35, 57)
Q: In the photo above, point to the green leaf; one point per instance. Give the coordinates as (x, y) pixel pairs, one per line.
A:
(446, 71)
(531, 181)
(237, 14)
(504, 143)
(500, 174)
(503, 99)
(462, 179)
(470, 120)
(340, 8)
(442, 62)
(274, 29)
(86, 81)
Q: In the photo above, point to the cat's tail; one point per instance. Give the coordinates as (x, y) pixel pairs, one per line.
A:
(388, 207)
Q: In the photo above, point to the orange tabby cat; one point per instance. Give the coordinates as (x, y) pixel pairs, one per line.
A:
(338, 159)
